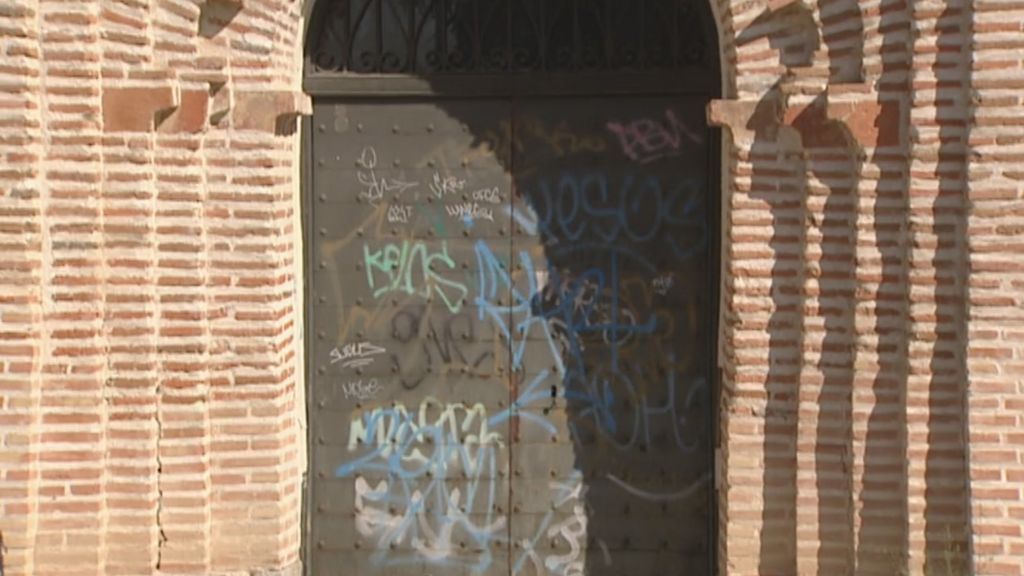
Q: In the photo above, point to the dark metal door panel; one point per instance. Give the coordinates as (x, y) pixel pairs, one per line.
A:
(410, 406)
(612, 459)
(512, 315)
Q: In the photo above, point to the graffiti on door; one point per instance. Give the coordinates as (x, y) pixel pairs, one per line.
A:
(512, 341)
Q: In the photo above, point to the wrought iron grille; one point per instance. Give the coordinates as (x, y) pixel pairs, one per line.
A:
(428, 37)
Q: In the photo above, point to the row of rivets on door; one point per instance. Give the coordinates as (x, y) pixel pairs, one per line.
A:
(625, 544)
(395, 302)
(393, 404)
(554, 544)
(599, 127)
(322, 370)
(396, 128)
(499, 508)
(396, 162)
(464, 370)
(323, 404)
(593, 474)
(467, 336)
(396, 511)
(465, 265)
(358, 545)
(358, 195)
(470, 439)
(553, 503)
(324, 233)
(624, 510)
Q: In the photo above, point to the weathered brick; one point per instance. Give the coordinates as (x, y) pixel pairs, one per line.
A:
(148, 331)
(136, 109)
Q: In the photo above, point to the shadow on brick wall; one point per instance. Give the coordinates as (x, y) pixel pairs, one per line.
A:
(215, 15)
(881, 544)
(834, 160)
(843, 33)
(883, 536)
(778, 179)
(947, 506)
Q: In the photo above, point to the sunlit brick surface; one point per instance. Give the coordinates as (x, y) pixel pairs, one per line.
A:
(150, 381)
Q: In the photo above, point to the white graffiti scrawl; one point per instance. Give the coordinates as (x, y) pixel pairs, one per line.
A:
(436, 483)
(356, 355)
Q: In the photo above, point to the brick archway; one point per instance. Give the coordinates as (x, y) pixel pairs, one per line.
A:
(330, 53)
(151, 381)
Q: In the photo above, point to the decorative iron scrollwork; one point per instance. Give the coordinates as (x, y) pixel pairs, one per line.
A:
(496, 36)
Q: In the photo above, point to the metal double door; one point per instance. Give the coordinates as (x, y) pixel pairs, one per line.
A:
(510, 314)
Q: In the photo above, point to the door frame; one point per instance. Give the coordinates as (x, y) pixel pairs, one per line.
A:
(383, 87)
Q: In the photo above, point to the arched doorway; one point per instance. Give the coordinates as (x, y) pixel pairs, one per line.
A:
(511, 214)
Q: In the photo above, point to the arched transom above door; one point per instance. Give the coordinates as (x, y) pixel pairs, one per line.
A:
(428, 37)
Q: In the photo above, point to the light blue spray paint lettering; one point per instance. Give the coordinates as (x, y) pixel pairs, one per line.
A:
(411, 268)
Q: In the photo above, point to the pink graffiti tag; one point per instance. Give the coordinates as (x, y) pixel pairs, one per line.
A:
(646, 140)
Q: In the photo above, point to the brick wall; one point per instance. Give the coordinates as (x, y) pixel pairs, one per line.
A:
(995, 177)
(150, 397)
(148, 352)
(853, 218)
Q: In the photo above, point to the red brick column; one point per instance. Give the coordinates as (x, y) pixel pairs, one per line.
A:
(22, 339)
(996, 330)
(148, 345)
